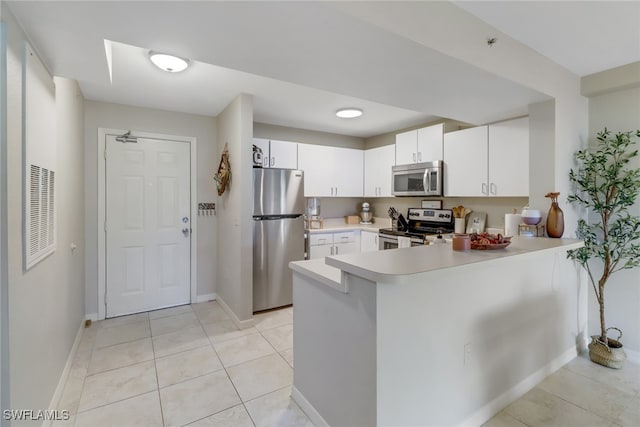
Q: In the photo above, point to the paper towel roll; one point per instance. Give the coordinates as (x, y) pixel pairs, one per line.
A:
(511, 223)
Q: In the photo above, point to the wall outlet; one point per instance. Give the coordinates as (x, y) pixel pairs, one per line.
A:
(467, 353)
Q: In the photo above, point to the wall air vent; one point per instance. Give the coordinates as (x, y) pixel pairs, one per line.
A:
(39, 163)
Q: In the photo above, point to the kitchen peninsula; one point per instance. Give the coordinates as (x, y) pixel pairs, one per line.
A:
(430, 336)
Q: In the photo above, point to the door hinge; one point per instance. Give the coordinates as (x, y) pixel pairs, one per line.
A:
(105, 153)
(105, 226)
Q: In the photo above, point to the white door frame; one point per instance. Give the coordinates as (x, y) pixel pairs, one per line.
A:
(102, 235)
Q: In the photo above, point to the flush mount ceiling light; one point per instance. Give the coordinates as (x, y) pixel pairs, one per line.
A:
(169, 63)
(349, 113)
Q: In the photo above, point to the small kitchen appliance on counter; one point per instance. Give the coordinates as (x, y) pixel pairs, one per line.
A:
(422, 223)
(366, 214)
(257, 156)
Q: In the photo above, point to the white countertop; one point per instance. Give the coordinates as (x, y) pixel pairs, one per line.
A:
(389, 266)
(331, 225)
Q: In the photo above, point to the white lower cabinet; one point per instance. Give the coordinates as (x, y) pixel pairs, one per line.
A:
(338, 243)
(368, 241)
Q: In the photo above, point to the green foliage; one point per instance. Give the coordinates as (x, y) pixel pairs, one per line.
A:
(607, 187)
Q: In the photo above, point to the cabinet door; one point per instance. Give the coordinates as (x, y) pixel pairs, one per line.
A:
(320, 251)
(263, 144)
(348, 172)
(430, 141)
(317, 162)
(509, 158)
(377, 171)
(406, 147)
(368, 241)
(283, 155)
(346, 248)
(465, 162)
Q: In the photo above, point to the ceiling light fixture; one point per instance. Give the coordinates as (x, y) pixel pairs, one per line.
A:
(169, 63)
(349, 113)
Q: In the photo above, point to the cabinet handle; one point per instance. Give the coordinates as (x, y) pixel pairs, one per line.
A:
(336, 250)
(493, 189)
(273, 161)
(336, 191)
(331, 250)
(419, 156)
(376, 239)
(484, 188)
(265, 162)
(414, 157)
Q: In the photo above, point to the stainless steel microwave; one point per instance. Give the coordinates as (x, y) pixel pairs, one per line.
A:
(418, 179)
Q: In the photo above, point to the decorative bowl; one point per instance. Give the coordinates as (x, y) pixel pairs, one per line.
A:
(477, 246)
(531, 220)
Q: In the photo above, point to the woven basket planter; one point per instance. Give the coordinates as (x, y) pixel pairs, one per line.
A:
(610, 355)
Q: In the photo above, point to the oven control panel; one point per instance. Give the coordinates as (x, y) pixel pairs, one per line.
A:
(430, 215)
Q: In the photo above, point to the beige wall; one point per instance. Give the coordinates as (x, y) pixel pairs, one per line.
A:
(203, 128)
(283, 133)
(618, 111)
(235, 231)
(46, 304)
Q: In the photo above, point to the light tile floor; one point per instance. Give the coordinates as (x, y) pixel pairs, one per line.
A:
(580, 394)
(190, 365)
(186, 365)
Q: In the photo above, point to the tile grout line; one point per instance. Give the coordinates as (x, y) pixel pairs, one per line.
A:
(155, 366)
(574, 404)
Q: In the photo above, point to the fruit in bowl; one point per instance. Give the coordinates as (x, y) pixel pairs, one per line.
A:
(531, 216)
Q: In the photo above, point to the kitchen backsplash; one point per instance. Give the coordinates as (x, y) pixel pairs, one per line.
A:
(495, 207)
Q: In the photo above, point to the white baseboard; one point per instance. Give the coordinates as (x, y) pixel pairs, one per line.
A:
(485, 413)
(308, 408)
(240, 324)
(57, 394)
(206, 297)
(92, 316)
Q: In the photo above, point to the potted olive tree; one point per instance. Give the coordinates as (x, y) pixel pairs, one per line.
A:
(607, 185)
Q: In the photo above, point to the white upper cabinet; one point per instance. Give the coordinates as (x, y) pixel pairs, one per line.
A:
(407, 147)
(420, 145)
(283, 154)
(430, 140)
(509, 158)
(465, 162)
(278, 154)
(488, 160)
(331, 171)
(377, 171)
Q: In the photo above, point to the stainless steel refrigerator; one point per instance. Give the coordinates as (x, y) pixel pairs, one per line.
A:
(278, 234)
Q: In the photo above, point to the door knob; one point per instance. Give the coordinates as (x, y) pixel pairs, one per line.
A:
(185, 231)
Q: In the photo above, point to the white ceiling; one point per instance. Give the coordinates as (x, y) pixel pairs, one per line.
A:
(300, 60)
(585, 37)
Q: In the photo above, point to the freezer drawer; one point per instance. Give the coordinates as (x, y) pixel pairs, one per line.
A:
(276, 242)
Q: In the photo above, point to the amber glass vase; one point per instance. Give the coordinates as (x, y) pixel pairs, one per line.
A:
(555, 217)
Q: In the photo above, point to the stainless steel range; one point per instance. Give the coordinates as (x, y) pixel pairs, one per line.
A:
(422, 223)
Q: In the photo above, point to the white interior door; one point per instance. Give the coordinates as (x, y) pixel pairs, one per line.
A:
(148, 225)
